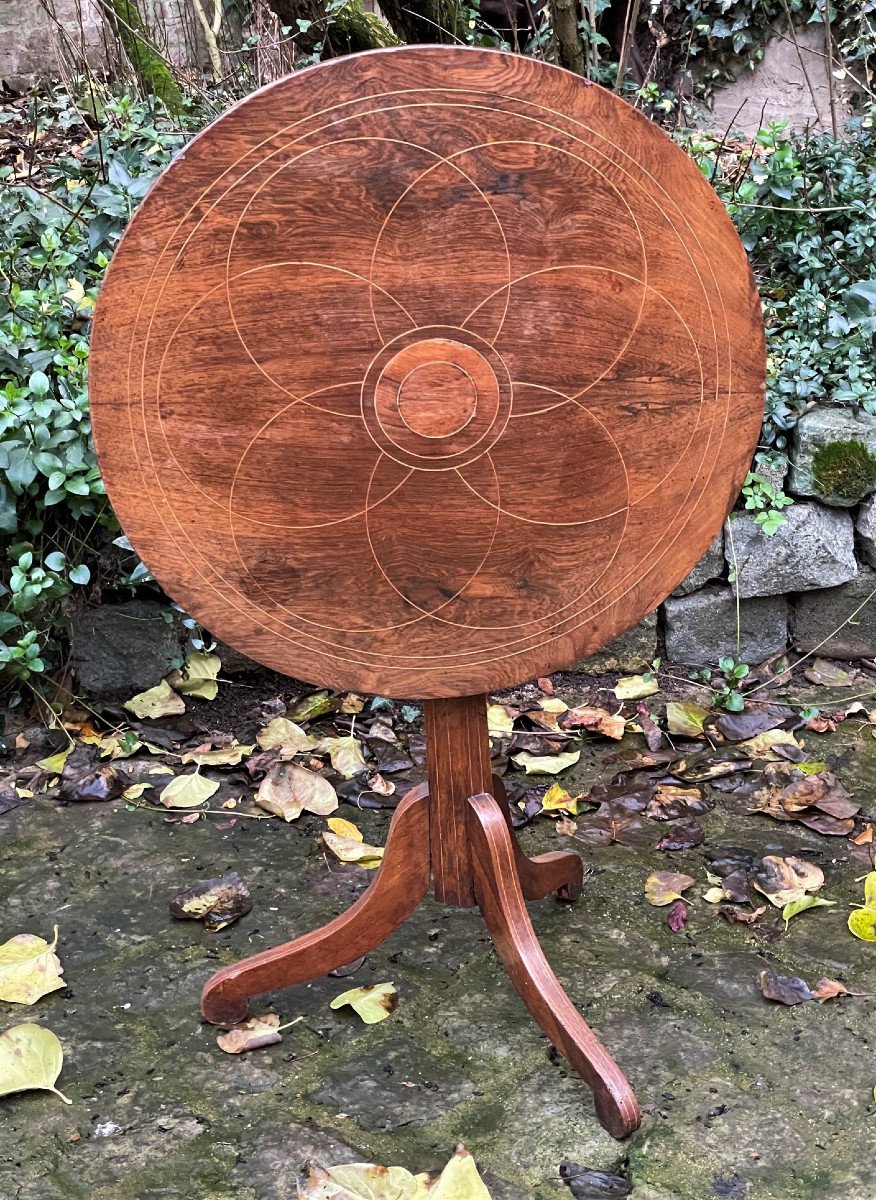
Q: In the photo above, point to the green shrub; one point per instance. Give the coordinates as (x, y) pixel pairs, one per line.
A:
(61, 215)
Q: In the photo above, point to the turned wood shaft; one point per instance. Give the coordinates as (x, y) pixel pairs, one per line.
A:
(458, 766)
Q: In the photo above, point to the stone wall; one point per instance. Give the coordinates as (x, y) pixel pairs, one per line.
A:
(811, 584)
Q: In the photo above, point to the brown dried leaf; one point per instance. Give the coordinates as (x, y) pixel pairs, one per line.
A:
(676, 918)
(216, 902)
(828, 989)
(251, 1035)
(288, 789)
(785, 989)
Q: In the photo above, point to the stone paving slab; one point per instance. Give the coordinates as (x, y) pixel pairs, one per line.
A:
(744, 1099)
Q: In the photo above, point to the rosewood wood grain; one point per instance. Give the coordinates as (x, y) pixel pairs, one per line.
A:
(399, 886)
(558, 872)
(458, 765)
(426, 371)
(500, 899)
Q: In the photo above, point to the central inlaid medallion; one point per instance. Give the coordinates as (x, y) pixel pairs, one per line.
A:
(435, 399)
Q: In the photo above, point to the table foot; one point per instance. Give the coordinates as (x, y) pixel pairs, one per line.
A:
(501, 901)
(399, 886)
(559, 872)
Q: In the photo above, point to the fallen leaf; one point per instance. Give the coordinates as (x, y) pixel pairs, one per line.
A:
(344, 828)
(29, 968)
(762, 744)
(683, 835)
(224, 756)
(353, 849)
(55, 762)
(345, 754)
(635, 687)
(671, 801)
(611, 725)
(676, 918)
(160, 701)
(662, 887)
(216, 902)
(862, 923)
(251, 1035)
(566, 827)
(553, 704)
(352, 703)
(685, 720)
(288, 789)
(198, 676)
(828, 674)
(459, 1180)
(540, 764)
(785, 989)
(372, 1004)
(870, 890)
(829, 989)
(286, 736)
(737, 727)
(557, 799)
(865, 837)
(188, 791)
(30, 1060)
(589, 1184)
(500, 723)
(784, 880)
(794, 907)
(737, 916)
(313, 706)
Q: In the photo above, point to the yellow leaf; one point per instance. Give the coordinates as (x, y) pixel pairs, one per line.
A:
(345, 754)
(135, 791)
(870, 890)
(500, 723)
(862, 923)
(198, 677)
(714, 895)
(29, 968)
(349, 850)
(285, 735)
(373, 1003)
(662, 887)
(685, 720)
(363, 1181)
(55, 762)
(344, 828)
(634, 687)
(553, 704)
(160, 701)
(557, 799)
(546, 764)
(288, 789)
(460, 1180)
(30, 1060)
(762, 744)
(188, 791)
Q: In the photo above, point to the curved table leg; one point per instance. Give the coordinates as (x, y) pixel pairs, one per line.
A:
(558, 872)
(501, 901)
(399, 886)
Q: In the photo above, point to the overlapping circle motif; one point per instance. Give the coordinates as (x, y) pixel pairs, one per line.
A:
(417, 372)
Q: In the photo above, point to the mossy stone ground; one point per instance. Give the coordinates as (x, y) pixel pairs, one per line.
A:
(745, 1099)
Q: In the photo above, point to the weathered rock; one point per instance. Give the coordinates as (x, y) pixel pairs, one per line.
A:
(818, 614)
(121, 649)
(834, 456)
(701, 627)
(815, 548)
(631, 651)
(710, 566)
(866, 530)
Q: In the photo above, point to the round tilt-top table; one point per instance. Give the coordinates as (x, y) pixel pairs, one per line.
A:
(424, 372)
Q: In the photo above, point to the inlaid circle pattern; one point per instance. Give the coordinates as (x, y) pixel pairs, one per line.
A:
(426, 371)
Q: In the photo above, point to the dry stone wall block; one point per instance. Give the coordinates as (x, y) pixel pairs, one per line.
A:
(834, 456)
(701, 627)
(710, 566)
(815, 548)
(121, 649)
(818, 614)
(866, 529)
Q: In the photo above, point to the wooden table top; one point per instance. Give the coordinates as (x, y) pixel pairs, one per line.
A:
(426, 371)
